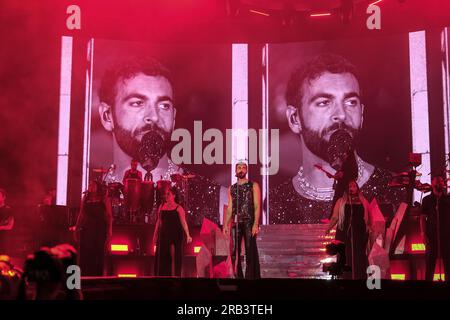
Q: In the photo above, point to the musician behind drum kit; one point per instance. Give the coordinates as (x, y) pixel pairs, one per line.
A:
(111, 175)
(132, 173)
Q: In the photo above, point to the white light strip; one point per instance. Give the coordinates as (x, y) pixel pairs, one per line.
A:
(265, 127)
(87, 116)
(446, 93)
(64, 120)
(239, 96)
(419, 103)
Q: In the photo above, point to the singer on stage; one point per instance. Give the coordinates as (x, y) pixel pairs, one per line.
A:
(243, 215)
(435, 228)
(168, 236)
(351, 214)
(94, 224)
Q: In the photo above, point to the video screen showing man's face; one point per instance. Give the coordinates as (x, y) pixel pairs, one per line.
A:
(142, 103)
(333, 101)
(141, 94)
(143, 88)
(329, 102)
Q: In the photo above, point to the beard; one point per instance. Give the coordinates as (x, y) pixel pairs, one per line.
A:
(316, 143)
(131, 144)
(241, 175)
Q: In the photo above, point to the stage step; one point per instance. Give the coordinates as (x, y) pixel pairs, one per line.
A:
(292, 251)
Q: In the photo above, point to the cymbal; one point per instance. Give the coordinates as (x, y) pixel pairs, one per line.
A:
(99, 170)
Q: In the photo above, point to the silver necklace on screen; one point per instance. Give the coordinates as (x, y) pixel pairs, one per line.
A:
(321, 194)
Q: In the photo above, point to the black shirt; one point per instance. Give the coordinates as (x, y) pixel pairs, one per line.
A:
(243, 204)
(429, 209)
(129, 174)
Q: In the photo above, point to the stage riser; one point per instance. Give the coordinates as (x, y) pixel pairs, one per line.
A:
(292, 251)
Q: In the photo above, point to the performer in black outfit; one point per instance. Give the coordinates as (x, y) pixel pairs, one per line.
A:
(352, 218)
(95, 226)
(168, 236)
(6, 222)
(435, 225)
(244, 198)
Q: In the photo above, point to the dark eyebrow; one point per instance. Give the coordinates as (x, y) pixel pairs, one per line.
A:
(352, 94)
(164, 98)
(143, 97)
(321, 95)
(134, 95)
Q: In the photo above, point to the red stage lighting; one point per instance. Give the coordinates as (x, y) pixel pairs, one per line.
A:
(259, 12)
(375, 2)
(324, 14)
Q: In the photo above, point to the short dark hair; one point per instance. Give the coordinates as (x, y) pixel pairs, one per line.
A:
(326, 62)
(127, 69)
(240, 162)
(3, 192)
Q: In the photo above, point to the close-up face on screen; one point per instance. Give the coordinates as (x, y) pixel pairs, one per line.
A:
(360, 86)
(247, 153)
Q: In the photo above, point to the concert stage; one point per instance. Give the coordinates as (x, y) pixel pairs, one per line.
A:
(195, 289)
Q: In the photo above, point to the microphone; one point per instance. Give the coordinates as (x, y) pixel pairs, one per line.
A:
(340, 147)
(152, 148)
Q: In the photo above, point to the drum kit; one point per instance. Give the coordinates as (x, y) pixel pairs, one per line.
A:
(135, 201)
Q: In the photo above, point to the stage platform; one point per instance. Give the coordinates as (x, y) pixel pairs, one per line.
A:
(192, 289)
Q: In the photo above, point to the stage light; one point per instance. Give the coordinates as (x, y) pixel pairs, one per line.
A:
(398, 276)
(418, 247)
(259, 13)
(197, 249)
(325, 14)
(127, 275)
(437, 278)
(374, 3)
(119, 248)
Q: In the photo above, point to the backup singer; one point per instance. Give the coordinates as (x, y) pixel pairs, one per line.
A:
(95, 226)
(351, 215)
(435, 228)
(168, 236)
(244, 198)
